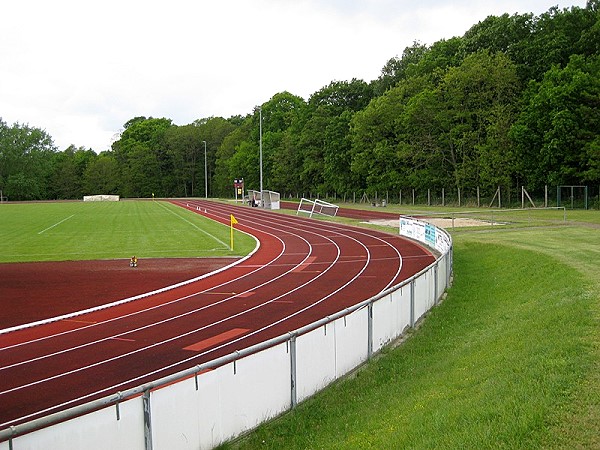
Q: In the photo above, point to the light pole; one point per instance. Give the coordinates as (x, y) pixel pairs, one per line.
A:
(260, 153)
(205, 173)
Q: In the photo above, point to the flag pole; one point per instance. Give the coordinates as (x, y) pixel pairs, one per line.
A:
(232, 222)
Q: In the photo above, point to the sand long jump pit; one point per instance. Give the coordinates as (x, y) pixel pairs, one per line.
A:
(439, 222)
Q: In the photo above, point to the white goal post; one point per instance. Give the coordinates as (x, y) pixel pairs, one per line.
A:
(317, 207)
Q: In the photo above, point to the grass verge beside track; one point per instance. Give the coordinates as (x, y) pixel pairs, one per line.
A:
(107, 230)
(511, 359)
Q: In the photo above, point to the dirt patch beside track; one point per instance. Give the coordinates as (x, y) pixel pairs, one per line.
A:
(442, 223)
(35, 291)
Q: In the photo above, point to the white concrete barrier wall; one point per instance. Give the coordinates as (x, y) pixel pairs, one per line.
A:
(258, 390)
(315, 356)
(229, 400)
(96, 430)
(351, 345)
(424, 289)
(176, 414)
(391, 315)
(442, 272)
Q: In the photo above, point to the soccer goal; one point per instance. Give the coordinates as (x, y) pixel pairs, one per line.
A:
(317, 206)
(573, 197)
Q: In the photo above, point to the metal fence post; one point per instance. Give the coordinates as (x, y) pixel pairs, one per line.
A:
(117, 405)
(412, 303)
(10, 440)
(448, 268)
(293, 371)
(435, 283)
(370, 330)
(147, 420)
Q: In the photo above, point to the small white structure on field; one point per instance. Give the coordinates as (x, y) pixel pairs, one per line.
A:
(268, 199)
(100, 198)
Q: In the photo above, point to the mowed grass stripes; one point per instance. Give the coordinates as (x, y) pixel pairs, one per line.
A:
(109, 230)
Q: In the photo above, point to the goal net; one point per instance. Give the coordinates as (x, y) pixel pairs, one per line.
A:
(317, 206)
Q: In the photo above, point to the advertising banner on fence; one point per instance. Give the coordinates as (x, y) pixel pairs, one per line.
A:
(425, 232)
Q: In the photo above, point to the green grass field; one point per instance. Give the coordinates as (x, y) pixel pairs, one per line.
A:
(511, 358)
(108, 230)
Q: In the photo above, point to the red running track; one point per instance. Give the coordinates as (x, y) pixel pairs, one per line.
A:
(304, 270)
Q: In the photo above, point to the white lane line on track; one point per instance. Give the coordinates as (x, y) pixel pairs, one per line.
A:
(109, 321)
(98, 363)
(242, 265)
(234, 295)
(139, 350)
(181, 362)
(56, 224)
(139, 312)
(300, 311)
(187, 360)
(119, 302)
(129, 315)
(169, 319)
(234, 340)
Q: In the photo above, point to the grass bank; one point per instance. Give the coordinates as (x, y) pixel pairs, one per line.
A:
(511, 359)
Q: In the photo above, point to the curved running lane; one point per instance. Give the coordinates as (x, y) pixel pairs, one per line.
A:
(304, 270)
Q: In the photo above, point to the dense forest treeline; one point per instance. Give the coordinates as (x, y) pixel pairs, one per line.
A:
(513, 102)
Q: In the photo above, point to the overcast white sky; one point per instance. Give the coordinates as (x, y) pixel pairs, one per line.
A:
(81, 69)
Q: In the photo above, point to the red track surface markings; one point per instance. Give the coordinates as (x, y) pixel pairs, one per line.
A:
(304, 265)
(303, 271)
(218, 339)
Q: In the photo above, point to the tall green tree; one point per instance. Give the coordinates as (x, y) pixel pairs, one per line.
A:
(382, 158)
(26, 156)
(147, 167)
(214, 130)
(324, 140)
(477, 101)
(556, 134)
(68, 171)
(186, 148)
(399, 68)
(280, 115)
(102, 175)
(228, 166)
(555, 36)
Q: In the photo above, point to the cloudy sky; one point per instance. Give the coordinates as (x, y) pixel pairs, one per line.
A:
(81, 69)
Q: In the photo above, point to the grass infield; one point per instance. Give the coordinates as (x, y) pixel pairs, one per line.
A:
(511, 358)
(110, 230)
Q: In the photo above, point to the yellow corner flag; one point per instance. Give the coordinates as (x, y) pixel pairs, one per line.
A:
(232, 221)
